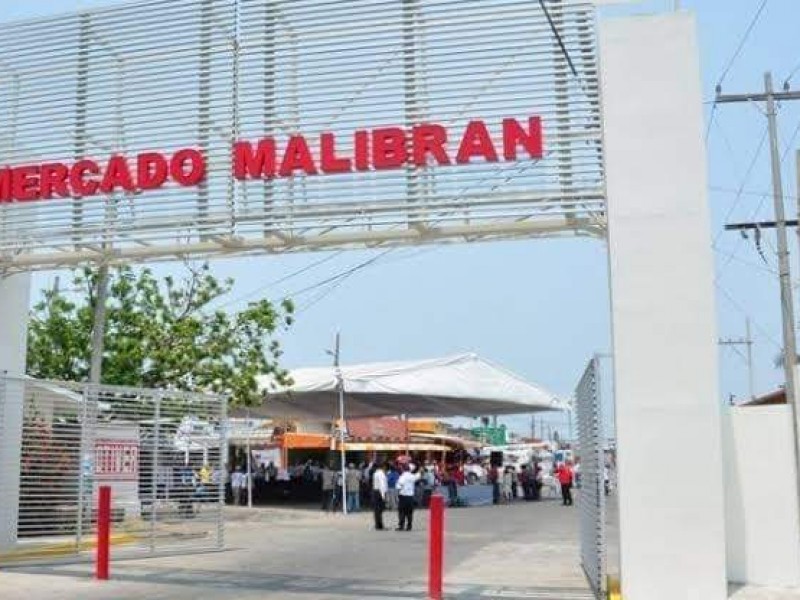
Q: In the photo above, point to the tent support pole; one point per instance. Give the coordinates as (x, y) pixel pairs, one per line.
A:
(342, 425)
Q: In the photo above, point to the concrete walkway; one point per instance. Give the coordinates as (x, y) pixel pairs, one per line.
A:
(522, 551)
(752, 593)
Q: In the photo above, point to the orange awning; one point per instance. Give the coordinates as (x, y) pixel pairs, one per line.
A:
(306, 441)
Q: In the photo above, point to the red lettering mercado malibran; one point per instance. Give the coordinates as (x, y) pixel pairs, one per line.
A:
(376, 149)
(87, 177)
(387, 148)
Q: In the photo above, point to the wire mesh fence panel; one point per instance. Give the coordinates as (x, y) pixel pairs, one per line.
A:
(592, 498)
(160, 452)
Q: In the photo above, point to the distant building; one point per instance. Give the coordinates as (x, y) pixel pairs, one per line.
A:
(769, 399)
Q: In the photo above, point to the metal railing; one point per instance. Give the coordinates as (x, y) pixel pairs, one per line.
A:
(161, 452)
(592, 497)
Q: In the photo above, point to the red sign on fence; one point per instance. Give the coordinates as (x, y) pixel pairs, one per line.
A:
(116, 459)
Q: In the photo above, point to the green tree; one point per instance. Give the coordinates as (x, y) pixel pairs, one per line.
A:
(159, 334)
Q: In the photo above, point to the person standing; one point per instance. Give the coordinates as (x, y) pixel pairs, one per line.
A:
(237, 484)
(514, 483)
(406, 484)
(508, 478)
(328, 485)
(353, 480)
(537, 480)
(494, 479)
(565, 477)
(525, 482)
(379, 489)
(452, 486)
(391, 495)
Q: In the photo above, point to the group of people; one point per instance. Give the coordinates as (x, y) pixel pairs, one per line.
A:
(356, 487)
(404, 488)
(507, 484)
(529, 479)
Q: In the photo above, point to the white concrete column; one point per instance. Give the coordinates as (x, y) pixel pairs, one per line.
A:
(672, 533)
(14, 299)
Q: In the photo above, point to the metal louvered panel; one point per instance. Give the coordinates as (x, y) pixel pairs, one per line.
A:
(592, 498)
(160, 76)
(162, 452)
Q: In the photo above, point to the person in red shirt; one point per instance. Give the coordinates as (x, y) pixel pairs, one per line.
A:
(565, 476)
(458, 474)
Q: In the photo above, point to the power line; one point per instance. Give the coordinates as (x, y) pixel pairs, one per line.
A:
(343, 274)
(711, 120)
(283, 279)
(560, 41)
(748, 172)
(742, 42)
(791, 74)
(342, 277)
(740, 192)
(768, 269)
(733, 302)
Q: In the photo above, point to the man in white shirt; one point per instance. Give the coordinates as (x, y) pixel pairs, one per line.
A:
(405, 490)
(238, 483)
(379, 489)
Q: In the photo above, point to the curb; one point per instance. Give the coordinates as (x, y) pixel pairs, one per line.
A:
(614, 590)
(62, 548)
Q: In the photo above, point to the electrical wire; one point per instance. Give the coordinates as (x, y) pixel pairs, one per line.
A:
(343, 274)
(742, 42)
(714, 107)
(791, 74)
(283, 279)
(335, 282)
(740, 192)
(743, 182)
(560, 41)
(766, 269)
(735, 304)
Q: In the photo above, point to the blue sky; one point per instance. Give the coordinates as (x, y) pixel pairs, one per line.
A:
(541, 307)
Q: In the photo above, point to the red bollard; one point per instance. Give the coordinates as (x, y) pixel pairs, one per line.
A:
(103, 532)
(436, 547)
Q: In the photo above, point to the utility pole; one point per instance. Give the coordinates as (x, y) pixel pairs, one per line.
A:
(797, 175)
(746, 341)
(770, 97)
(99, 325)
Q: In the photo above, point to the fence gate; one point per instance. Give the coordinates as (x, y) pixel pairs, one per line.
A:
(591, 499)
(161, 452)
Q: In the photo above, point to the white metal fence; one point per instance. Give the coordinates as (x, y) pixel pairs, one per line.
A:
(161, 452)
(592, 498)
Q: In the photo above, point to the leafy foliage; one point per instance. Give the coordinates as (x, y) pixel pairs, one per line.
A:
(159, 334)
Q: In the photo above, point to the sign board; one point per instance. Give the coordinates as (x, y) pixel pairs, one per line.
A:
(266, 456)
(116, 460)
(223, 127)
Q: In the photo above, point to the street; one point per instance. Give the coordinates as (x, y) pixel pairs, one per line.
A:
(525, 550)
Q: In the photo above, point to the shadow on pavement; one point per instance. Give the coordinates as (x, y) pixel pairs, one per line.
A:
(221, 581)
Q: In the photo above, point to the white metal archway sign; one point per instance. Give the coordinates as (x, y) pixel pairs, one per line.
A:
(219, 127)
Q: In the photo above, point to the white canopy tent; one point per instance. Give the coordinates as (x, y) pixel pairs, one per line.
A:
(464, 385)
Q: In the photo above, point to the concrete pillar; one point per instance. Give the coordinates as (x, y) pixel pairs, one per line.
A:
(672, 533)
(14, 300)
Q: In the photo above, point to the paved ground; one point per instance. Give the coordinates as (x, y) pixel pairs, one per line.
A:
(522, 551)
(741, 593)
(525, 551)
